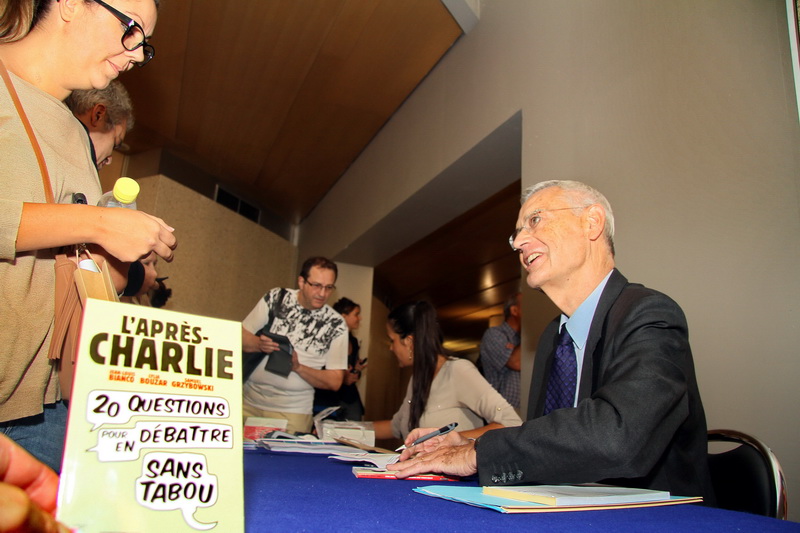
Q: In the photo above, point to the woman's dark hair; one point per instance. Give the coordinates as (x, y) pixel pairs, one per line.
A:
(345, 306)
(39, 11)
(419, 319)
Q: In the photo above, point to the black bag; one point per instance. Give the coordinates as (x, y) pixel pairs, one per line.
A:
(251, 360)
(280, 361)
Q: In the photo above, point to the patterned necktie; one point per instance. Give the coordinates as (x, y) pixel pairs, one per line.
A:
(563, 375)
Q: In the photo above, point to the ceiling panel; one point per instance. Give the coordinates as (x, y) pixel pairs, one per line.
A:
(274, 100)
(277, 98)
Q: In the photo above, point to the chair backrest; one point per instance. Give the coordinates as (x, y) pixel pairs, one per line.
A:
(748, 477)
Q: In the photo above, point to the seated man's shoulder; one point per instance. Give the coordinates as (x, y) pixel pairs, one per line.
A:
(635, 298)
(634, 292)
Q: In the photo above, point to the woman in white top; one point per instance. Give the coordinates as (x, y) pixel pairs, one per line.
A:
(443, 389)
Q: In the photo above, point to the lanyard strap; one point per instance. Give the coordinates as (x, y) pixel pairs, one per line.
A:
(48, 190)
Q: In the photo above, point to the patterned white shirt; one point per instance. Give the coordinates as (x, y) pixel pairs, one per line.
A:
(319, 337)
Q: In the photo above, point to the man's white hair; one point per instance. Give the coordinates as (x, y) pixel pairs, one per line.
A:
(584, 196)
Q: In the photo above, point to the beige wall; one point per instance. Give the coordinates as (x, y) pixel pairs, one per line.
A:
(224, 263)
(684, 114)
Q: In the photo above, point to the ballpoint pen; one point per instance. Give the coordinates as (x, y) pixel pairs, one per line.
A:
(441, 431)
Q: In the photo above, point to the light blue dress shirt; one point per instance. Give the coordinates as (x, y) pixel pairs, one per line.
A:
(578, 326)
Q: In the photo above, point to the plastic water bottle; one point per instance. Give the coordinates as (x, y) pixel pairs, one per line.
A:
(123, 195)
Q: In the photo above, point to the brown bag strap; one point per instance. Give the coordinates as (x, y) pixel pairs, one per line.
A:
(48, 189)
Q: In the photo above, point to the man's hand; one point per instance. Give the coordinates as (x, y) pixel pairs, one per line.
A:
(514, 361)
(450, 439)
(27, 492)
(257, 343)
(267, 345)
(460, 460)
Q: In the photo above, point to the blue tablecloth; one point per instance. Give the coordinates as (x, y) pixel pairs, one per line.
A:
(287, 492)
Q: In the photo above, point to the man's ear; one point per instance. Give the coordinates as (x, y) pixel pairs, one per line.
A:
(595, 221)
(97, 116)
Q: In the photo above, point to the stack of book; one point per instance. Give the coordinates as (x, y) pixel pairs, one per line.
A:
(555, 498)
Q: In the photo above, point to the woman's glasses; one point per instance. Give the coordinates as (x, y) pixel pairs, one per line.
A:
(134, 36)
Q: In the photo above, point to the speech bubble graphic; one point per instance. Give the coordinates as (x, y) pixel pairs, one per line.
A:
(117, 407)
(125, 444)
(171, 481)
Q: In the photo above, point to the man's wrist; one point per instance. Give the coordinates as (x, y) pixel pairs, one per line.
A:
(475, 451)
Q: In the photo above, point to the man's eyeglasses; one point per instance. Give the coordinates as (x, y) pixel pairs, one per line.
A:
(134, 36)
(532, 221)
(320, 286)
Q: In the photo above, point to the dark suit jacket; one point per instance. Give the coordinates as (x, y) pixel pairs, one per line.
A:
(639, 420)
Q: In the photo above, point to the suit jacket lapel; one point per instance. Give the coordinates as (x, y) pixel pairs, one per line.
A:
(541, 369)
(594, 347)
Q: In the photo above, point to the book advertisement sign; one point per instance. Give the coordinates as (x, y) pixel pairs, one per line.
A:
(154, 437)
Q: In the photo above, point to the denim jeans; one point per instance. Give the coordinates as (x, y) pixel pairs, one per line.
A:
(42, 435)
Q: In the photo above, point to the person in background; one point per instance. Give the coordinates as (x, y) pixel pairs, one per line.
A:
(160, 294)
(347, 397)
(318, 335)
(138, 292)
(501, 354)
(107, 115)
(614, 396)
(442, 389)
(49, 49)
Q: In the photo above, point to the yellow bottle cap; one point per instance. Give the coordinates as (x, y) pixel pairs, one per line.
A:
(126, 190)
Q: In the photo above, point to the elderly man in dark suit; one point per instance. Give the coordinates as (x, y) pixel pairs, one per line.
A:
(614, 396)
